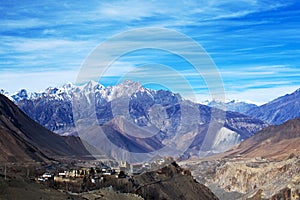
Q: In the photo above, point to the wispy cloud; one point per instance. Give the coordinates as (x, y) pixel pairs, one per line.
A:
(28, 45)
(42, 53)
(22, 24)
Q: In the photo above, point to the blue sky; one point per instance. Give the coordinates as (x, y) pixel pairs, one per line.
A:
(254, 44)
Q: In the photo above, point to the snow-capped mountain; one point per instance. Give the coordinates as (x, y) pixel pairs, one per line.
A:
(122, 108)
(57, 93)
(279, 110)
(233, 105)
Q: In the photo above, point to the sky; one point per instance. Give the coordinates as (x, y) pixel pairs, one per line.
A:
(254, 44)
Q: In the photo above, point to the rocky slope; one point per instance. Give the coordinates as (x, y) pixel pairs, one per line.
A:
(253, 178)
(265, 166)
(171, 182)
(22, 139)
(266, 177)
(279, 110)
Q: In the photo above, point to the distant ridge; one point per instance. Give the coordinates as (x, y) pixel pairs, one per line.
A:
(279, 110)
(235, 106)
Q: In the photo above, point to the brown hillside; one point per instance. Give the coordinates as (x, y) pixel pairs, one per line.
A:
(22, 139)
(278, 141)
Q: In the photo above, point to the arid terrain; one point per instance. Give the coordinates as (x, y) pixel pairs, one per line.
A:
(245, 178)
(266, 166)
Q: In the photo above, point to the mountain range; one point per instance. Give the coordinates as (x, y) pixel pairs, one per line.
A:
(130, 109)
(279, 110)
(22, 139)
(233, 105)
(275, 112)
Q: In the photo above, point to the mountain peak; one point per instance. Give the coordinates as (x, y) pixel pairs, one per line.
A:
(93, 85)
(20, 95)
(68, 85)
(130, 83)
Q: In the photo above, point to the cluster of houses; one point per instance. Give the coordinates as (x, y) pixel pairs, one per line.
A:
(72, 174)
(99, 171)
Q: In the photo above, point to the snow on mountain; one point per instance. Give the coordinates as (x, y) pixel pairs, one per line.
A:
(233, 105)
(22, 94)
(59, 93)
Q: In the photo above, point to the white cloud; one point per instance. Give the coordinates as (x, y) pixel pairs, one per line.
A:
(260, 71)
(183, 10)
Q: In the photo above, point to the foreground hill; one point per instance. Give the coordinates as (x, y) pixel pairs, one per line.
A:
(22, 139)
(279, 110)
(171, 182)
(18, 188)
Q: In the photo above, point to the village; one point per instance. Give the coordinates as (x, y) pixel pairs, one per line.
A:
(86, 176)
